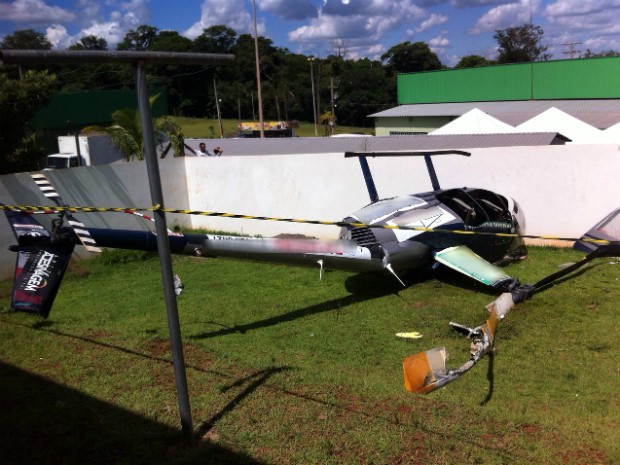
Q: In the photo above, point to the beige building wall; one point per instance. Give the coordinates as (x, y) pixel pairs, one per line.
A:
(409, 124)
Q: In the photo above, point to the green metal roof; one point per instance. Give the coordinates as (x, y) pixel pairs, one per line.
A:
(77, 109)
(591, 78)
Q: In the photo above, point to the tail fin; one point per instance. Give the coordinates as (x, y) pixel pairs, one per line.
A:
(608, 229)
(40, 264)
(38, 273)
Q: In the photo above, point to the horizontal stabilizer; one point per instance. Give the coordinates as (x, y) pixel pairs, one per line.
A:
(608, 229)
(25, 226)
(407, 153)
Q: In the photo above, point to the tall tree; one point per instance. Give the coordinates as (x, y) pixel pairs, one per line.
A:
(170, 41)
(139, 39)
(521, 44)
(472, 61)
(26, 39)
(606, 54)
(172, 77)
(20, 99)
(408, 58)
(363, 88)
(90, 42)
(93, 76)
(215, 39)
(125, 132)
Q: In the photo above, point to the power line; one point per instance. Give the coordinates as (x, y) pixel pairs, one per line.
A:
(571, 52)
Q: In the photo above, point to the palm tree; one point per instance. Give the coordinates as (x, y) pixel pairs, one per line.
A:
(328, 120)
(125, 132)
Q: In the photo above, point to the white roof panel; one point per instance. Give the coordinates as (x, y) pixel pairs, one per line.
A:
(474, 121)
(317, 145)
(601, 113)
(556, 120)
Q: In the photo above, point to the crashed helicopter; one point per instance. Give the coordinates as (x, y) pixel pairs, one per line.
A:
(469, 230)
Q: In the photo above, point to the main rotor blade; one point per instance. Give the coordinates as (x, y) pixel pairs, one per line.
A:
(425, 371)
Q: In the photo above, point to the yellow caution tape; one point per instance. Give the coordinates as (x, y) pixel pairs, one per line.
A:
(158, 208)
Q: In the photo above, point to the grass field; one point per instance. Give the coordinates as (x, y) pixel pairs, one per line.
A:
(209, 128)
(286, 369)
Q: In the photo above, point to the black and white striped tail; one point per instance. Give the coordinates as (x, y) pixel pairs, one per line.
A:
(47, 188)
(80, 230)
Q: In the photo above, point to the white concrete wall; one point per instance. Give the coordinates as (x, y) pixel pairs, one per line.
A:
(563, 190)
(116, 185)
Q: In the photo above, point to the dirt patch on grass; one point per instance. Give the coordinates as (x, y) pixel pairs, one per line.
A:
(585, 455)
(157, 347)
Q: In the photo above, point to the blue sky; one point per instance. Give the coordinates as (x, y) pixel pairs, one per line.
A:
(364, 28)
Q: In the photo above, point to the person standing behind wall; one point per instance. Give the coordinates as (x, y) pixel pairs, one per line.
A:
(203, 152)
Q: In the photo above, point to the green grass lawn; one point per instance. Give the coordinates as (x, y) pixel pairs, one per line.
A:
(209, 128)
(286, 369)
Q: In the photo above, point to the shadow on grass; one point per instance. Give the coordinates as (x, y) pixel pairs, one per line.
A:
(362, 287)
(255, 379)
(44, 422)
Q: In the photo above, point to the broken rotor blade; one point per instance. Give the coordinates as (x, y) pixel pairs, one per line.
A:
(425, 372)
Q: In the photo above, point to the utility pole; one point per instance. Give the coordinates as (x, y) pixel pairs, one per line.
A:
(311, 59)
(217, 107)
(139, 61)
(571, 52)
(332, 123)
(260, 95)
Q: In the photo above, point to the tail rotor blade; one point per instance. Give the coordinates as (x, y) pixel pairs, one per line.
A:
(46, 187)
(80, 230)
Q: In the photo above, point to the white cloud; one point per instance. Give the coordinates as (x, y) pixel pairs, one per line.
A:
(123, 17)
(502, 16)
(33, 11)
(229, 12)
(138, 8)
(438, 42)
(433, 20)
(58, 36)
(112, 31)
(89, 9)
(365, 21)
(370, 51)
(587, 21)
(474, 3)
(601, 44)
(580, 7)
(568, 15)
